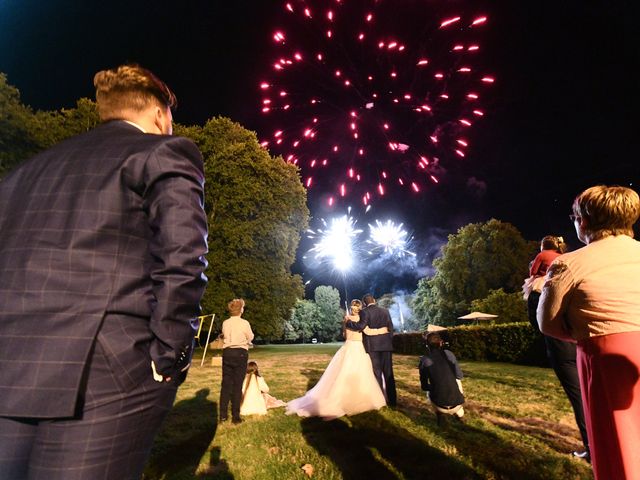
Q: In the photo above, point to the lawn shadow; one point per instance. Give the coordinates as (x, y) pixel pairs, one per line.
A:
(495, 378)
(216, 470)
(369, 446)
(184, 438)
(488, 449)
(313, 375)
(559, 437)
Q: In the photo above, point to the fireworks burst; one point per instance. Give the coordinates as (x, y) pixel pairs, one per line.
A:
(336, 242)
(370, 96)
(389, 238)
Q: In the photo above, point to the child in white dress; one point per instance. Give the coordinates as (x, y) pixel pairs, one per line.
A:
(255, 397)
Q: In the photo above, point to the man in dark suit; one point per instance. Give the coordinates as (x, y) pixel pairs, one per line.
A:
(379, 347)
(102, 244)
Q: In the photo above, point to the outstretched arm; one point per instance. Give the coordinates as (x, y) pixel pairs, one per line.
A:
(357, 326)
(372, 332)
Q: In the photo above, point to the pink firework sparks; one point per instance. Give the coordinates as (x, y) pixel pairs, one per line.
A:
(369, 97)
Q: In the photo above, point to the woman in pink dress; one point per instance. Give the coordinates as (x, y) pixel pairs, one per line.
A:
(592, 296)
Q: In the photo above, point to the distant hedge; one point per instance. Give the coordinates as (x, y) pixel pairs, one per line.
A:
(506, 342)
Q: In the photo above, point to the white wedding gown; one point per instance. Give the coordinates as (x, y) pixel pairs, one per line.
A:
(347, 386)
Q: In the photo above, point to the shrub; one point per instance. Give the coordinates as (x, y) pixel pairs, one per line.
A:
(508, 342)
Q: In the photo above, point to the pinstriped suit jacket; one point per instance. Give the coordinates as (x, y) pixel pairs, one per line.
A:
(107, 226)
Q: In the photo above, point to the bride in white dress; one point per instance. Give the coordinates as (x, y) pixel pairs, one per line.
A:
(348, 385)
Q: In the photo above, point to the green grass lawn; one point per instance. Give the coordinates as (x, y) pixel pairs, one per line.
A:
(518, 425)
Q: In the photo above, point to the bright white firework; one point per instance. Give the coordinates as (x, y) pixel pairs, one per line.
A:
(336, 242)
(390, 238)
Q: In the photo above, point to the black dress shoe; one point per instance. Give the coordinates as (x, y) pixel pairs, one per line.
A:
(236, 420)
(223, 419)
(584, 454)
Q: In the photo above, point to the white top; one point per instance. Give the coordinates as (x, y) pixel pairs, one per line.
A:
(353, 336)
(236, 333)
(253, 402)
(593, 291)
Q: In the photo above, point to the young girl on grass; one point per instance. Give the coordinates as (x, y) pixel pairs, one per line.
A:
(255, 397)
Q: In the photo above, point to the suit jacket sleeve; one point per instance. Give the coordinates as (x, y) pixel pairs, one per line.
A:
(554, 301)
(360, 324)
(174, 203)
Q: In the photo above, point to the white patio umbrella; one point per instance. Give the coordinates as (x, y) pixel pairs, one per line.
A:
(478, 316)
(435, 328)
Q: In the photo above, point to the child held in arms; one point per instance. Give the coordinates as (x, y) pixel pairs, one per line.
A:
(551, 247)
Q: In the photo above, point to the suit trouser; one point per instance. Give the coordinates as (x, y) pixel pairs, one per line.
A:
(234, 369)
(383, 370)
(109, 439)
(562, 356)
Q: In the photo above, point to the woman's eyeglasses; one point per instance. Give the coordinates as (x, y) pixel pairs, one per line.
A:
(574, 217)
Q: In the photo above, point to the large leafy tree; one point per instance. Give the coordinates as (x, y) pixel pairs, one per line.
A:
(321, 317)
(330, 314)
(51, 127)
(303, 322)
(478, 258)
(24, 132)
(17, 142)
(256, 207)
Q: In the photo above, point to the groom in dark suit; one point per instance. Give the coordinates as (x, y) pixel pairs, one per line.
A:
(102, 244)
(379, 347)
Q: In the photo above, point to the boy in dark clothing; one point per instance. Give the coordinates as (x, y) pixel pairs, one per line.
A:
(440, 377)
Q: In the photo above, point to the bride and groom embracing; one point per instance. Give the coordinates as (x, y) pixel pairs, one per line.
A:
(359, 377)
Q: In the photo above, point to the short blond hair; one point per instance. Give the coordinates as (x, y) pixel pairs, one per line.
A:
(607, 211)
(235, 306)
(129, 88)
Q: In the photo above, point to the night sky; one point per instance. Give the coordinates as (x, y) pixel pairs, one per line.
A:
(561, 117)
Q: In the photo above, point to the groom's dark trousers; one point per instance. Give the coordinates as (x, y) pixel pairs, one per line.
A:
(102, 243)
(379, 347)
